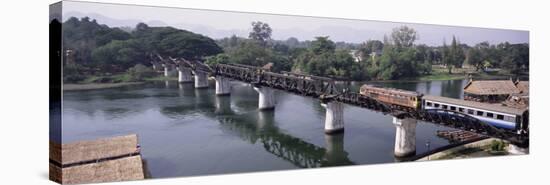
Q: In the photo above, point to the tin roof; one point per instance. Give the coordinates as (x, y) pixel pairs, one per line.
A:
(523, 87)
(491, 87)
(94, 149)
(484, 106)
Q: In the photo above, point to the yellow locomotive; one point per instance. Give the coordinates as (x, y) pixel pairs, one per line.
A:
(405, 100)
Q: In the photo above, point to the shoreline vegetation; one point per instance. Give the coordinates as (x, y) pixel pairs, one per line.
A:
(95, 86)
(482, 148)
(113, 55)
(439, 74)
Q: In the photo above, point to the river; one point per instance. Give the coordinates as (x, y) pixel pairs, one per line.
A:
(185, 131)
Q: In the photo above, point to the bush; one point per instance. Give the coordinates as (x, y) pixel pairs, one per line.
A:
(139, 72)
(497, 145)
(71, 74)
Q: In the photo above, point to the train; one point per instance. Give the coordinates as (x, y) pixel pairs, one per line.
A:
(497, 115)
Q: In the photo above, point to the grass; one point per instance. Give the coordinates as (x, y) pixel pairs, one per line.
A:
(441, 76)
(160, 78)
(442, 73)
(121, 78)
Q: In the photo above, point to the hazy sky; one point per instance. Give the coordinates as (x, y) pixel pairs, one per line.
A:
(219, 24)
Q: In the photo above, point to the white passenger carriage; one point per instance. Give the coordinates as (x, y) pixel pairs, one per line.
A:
(493, 114)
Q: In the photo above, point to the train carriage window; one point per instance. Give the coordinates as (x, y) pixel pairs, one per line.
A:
(501, 117)
(460, 109)
(453, 108)
(444, 106)
(436, 105)
(480, 113)
(490, 115)
(429, 104)
(470, 111)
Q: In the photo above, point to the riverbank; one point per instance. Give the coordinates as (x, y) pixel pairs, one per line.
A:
(94, 86)
(481, 148)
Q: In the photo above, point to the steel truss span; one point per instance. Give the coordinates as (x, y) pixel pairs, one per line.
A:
(325, 89)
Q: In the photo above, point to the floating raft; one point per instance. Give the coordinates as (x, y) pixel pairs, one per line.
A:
(102, 160)
(458, 135)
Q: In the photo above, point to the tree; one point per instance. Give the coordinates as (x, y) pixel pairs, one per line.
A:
(119, 55)
(403, 37)
(475, 58)
(140, 72)
(453, 56)
(367, 48)
(261, 32)
(446, 57)
(323, 59)
(458, 53)
(322, 45)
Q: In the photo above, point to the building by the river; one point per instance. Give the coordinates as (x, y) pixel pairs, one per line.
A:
(495, 91)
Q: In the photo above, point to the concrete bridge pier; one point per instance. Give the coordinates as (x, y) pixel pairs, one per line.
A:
(334, 118)
(266, 98)
(184, 75)
(169, 70)
(166, 70)
(405, 137)
(223, 87)
(201, 79)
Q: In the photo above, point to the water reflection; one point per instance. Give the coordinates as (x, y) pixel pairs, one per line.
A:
(187, 131)
(259, 126)
(294, 150)
(335, 154)
(223, 105)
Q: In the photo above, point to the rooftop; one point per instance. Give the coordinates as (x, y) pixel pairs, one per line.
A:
(494, 87)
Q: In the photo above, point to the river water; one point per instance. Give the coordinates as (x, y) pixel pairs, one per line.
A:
(185, 131)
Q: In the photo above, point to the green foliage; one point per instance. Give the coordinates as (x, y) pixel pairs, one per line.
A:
(217, 59)
(400, 59)
(322, 45)
(72, 74)
(403, 37)
(84, 35)
(112, 50)
(251, 52)
(261, 32)
(371, 46)
(475, 58)
(119, 55)
(322, 59)
(498, 146)
(453, 56)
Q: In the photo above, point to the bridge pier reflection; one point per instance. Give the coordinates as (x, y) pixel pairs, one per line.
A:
(223, 105)
(405, 137)
(184, 75)
(201, 79)
(265, 120)
(335, 155)
(223, 87)
(266, 98)
(334, 118)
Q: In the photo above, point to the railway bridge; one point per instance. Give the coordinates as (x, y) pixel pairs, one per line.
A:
(332, 99)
